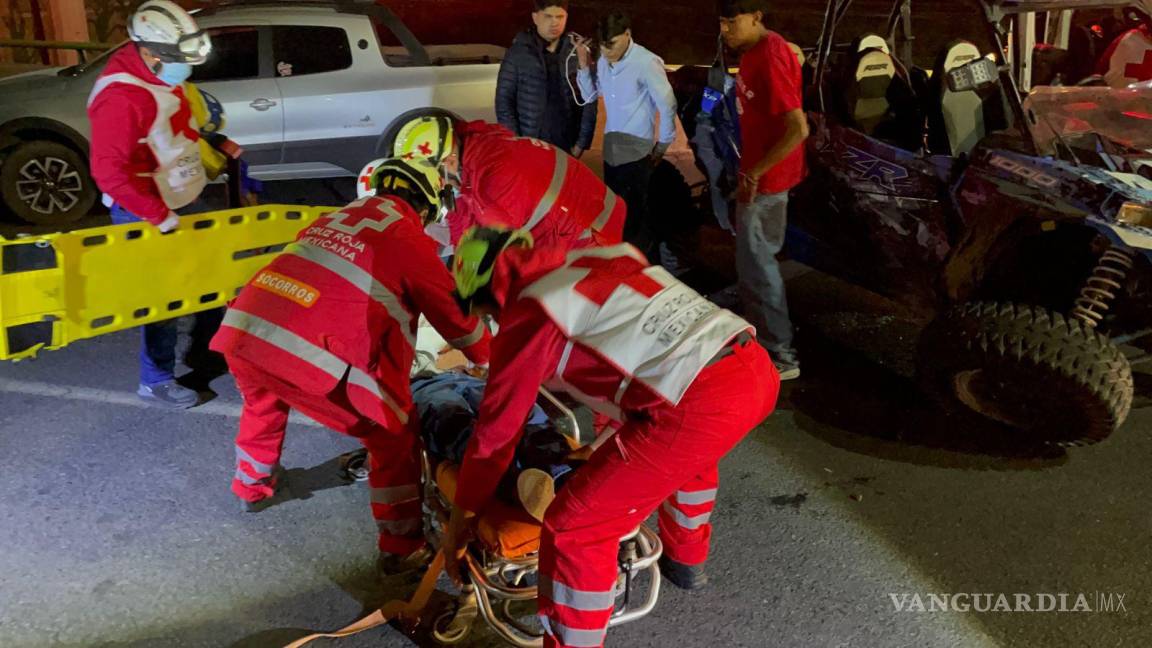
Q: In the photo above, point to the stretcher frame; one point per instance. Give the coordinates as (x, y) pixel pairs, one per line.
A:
(56, 289)
(492, 588)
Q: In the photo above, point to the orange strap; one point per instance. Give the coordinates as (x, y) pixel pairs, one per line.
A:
(390, 610)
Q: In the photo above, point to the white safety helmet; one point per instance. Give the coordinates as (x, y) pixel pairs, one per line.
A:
(169, 32)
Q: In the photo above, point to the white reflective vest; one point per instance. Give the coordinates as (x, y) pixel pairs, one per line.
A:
(645, 322)
(1131, 60)
(179, 174)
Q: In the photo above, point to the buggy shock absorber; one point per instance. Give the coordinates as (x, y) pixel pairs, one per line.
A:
(1103, 286)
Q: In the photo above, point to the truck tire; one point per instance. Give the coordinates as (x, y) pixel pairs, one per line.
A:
(46, 183)
(1037, 371)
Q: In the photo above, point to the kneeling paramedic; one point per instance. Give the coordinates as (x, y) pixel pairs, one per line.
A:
(686, 379)
(516, 182)
(328, 329)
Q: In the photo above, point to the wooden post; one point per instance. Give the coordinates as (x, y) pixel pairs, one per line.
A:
(69, 23)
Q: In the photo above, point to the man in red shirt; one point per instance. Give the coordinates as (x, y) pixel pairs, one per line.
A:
(773, 129)
(682, 376)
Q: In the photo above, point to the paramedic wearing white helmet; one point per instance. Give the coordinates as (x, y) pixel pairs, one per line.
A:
(145, 157)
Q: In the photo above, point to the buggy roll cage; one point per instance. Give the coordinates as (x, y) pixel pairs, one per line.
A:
(1014, 72)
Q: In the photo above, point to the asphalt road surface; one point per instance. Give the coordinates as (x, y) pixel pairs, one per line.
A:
(118, 528)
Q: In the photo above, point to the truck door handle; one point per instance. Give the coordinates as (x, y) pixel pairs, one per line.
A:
(262, 104)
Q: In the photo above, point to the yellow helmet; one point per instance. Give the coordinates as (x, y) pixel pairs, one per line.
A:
(429, 137)
(418, 177)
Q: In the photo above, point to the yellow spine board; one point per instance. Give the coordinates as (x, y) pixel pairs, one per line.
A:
(59, 288)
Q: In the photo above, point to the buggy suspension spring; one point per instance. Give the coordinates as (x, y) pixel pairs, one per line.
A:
(1102, 287)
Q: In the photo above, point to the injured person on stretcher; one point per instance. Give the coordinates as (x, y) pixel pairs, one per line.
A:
(502, 562)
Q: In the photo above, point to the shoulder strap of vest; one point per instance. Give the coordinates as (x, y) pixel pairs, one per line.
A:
(120, 77)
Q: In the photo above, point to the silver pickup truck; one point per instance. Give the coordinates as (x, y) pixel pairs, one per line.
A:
(308, 89)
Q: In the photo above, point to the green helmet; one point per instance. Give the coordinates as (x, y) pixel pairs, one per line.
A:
(475, 259)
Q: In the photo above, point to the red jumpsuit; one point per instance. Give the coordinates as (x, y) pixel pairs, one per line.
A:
(686, 378)
(328, 329)
(525, 183)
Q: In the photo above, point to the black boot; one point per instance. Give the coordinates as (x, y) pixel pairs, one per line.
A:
(686, 577)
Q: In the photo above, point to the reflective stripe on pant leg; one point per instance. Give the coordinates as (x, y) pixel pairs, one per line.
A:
(692, 522)
(263, 422)
(395, 494)
(260, 467)
(576, 599)
(685, 518)
(572, 637)
(394, 475)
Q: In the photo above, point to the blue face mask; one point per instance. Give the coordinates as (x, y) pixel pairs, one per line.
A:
(174, 73)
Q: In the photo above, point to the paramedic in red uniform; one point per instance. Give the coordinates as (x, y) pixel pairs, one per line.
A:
(516, 182)
(1129, 58)
(328, 329)
(685, 377)
(146, 159)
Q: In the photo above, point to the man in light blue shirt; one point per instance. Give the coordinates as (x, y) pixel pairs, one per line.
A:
(635, 88)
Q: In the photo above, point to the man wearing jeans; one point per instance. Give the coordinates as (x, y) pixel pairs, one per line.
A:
(773, 129)
(145, 156)
(635, 88)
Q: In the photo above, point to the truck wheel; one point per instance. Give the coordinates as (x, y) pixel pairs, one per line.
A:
(1029, 368)
(46, 183)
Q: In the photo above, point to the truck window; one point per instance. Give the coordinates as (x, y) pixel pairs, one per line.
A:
(310, 50)
(235, 55)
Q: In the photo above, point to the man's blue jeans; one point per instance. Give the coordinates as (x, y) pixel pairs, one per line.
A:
(760, 230)
(158, 343)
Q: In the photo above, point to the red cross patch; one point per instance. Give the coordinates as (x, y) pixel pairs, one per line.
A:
(1141, 71)
(609, 274)
(181, 121)
(367, 178)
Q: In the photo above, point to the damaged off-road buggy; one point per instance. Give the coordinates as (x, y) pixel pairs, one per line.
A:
(1015, 225)
(948, 193)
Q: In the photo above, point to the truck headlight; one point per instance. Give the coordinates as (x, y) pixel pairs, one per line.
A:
(1135, 214)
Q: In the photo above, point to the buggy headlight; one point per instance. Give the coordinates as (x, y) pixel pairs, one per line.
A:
(1135, 214)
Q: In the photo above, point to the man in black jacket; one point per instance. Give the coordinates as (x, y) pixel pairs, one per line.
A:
(534, 94)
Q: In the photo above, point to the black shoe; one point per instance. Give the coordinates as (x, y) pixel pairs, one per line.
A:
(208, 363)
(686, 577)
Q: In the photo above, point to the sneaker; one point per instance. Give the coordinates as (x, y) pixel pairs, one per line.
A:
(168, 394)
(686, 577)
(391, 564)
(536, 489)
(787, 370)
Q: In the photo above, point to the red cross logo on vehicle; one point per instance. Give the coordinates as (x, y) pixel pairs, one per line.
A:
(609, 274)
